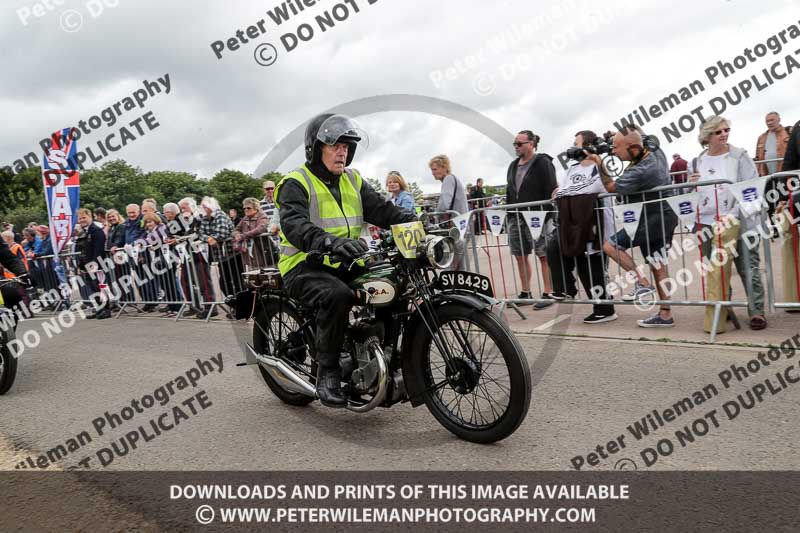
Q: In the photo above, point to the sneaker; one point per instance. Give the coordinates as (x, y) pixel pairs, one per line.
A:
(656, 321)
(561, 296)
(523, 296)
(544, 305)
(596, 318)
(638, 291)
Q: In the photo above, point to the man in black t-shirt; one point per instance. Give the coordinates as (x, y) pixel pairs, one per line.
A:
(530, 178)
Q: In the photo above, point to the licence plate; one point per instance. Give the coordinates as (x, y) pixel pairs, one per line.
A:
(468, 281)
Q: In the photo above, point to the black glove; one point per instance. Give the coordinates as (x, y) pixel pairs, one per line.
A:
(349, 249)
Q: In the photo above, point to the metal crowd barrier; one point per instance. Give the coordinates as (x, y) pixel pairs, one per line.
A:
(787, 242)
(181, 276)
(495, 261)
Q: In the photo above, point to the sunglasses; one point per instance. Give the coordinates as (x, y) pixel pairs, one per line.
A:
(247, 208)
(269, 188)
(518, 144)
(719, 132)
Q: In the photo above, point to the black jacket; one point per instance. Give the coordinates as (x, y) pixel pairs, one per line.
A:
(116, 237)
(477, 194)
(10, 261)
(537, 185)
(306, 236)
(791, 160)
(578, 224)
(90, 244)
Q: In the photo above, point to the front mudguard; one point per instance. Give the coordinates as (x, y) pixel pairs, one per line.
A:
(477, 302)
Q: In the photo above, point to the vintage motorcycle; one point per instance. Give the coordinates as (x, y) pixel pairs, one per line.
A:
(417, 335)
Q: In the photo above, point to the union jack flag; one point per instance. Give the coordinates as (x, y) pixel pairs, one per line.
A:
(62, 183)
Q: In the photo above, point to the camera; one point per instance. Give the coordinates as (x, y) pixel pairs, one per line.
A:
(599, 147)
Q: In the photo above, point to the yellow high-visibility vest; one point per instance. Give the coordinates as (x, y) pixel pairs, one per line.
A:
(324, 212)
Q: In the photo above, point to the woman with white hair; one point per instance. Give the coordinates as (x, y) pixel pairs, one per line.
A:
(250, 238)
(722, 223)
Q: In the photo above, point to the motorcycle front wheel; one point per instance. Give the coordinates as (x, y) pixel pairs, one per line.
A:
(484, 394)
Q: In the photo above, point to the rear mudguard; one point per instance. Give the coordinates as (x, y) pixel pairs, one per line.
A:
(477, 302)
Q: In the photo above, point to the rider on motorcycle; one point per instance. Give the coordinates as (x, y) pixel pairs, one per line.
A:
(9, 292)
(323, 207)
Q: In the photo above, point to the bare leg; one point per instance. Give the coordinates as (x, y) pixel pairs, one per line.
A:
(625, 261)
(660, 275)
(548, 288)
(524, 267)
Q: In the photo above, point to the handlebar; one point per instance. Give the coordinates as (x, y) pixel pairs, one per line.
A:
(317, 258)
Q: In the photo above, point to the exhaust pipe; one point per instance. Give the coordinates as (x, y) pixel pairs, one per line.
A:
(283, 374)
(289, 380)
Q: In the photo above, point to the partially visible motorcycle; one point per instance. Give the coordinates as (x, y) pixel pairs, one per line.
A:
(418, 334)
(8, 363)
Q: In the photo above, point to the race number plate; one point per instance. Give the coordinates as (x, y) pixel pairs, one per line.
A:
(407, 237)
(467, 281)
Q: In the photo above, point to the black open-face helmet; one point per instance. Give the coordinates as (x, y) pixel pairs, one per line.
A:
(331, 129)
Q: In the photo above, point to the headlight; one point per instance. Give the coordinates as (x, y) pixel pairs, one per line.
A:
(437, 252)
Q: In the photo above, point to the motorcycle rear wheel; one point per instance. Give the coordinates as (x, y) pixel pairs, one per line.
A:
(494, 386)
(271, 329)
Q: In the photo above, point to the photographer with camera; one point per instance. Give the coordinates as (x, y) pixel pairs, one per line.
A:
(647, 169)
(581, 229)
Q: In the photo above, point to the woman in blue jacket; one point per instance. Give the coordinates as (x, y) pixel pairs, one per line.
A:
(398, 192)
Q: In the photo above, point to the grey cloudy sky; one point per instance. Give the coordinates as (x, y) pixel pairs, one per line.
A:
(552, 66)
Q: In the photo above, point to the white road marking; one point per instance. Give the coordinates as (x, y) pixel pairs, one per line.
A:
(551, 323)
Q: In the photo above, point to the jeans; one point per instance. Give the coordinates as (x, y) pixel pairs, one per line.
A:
(748, 264)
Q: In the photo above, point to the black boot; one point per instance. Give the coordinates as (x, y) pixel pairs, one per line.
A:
(329, 387)
(103, 314)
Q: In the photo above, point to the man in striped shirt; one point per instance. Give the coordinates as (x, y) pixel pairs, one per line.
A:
(267, 206)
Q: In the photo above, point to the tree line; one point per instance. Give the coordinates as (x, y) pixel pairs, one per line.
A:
(116, 184)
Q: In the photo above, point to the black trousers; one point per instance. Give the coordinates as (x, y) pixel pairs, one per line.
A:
(326, 292)
(591, 271)
(92, 286)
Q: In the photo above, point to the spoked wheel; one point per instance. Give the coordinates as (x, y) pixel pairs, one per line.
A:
(277, 333)
(483, 396)
(8, 368)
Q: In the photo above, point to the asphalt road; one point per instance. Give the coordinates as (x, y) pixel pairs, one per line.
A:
(586, 393)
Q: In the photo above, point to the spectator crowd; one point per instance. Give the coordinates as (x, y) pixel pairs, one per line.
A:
(570, 225)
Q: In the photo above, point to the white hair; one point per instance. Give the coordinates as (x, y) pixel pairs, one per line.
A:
(711, 125)
(171, 208)
(8, 235)
(190, 202)
(210, 202)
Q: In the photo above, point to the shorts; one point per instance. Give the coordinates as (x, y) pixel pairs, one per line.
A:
(520, 240)
(622, 241)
